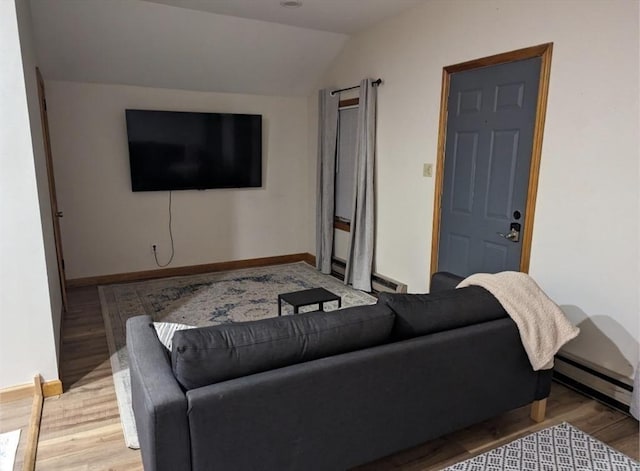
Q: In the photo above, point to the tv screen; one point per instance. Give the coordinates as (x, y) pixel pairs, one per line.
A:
(172, 150)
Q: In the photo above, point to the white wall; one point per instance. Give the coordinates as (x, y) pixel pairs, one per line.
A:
(27, 344)
(42, 179)
(585, 240)
(109, 229)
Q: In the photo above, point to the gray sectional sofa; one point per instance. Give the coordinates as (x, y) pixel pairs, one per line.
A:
(327, 391)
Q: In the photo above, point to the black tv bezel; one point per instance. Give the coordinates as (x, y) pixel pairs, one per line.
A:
(137, 188)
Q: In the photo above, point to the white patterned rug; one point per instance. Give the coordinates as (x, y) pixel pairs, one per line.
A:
(559, 448)
(8, 447)
(201, 300)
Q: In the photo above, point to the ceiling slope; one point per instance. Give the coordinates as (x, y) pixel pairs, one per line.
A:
(154, 45)
(339, 16)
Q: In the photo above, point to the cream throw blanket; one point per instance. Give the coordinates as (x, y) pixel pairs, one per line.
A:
(543, 326)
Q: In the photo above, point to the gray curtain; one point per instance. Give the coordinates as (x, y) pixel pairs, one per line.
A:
(360, 256)
(325, 199)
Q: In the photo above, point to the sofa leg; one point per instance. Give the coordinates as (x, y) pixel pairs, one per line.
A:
(538, 410)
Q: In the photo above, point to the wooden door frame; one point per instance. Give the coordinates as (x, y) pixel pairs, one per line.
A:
(52, 188)
(544, 51)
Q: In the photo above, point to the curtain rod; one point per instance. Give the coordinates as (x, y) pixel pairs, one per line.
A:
(375, 82)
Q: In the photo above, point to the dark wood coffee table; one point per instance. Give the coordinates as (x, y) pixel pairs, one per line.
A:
(307, 297)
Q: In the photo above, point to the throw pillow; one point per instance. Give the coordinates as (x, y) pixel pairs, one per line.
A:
(165, 331)
(212, 354)
(421, 314)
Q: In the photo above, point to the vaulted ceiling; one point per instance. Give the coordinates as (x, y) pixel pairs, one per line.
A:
(238, 46)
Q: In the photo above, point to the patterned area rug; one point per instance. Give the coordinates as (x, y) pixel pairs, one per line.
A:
(559, 448)
(8, 447)
(201, 300)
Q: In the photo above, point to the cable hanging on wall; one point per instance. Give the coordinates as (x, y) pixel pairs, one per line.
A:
(155, 252)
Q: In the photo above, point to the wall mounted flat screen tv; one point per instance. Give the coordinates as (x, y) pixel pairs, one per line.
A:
(172, 150)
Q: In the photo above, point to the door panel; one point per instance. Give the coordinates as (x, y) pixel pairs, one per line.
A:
(503, 159)
(458, 246)
(488, 148)
(463, 176)
(55, 212)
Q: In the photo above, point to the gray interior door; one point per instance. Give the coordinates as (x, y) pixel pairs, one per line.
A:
(490, 127)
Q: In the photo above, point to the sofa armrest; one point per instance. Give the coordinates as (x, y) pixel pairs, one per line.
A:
(443, 280)
(159, 404)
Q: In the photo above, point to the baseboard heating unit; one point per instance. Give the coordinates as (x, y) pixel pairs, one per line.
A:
(379, 283)
(593, 380)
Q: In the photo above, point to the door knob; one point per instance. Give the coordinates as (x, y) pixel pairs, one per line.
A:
(513, 235)
(59, 214)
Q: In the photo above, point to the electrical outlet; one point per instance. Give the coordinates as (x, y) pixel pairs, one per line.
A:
(154, 248)
(427, 170)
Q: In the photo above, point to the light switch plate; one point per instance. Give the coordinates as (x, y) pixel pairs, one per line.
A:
(427, 170)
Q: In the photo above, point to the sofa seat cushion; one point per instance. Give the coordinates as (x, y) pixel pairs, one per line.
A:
(421, 314)
(208, 355)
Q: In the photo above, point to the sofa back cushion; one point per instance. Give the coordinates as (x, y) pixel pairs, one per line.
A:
(208, 355)
(442, 280)
(421, 314)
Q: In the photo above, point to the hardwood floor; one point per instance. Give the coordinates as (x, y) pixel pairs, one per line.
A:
(81, 429)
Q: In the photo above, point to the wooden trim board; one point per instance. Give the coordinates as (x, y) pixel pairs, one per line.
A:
(545, 52)
(52, 388)
(34, 426)
(55, 214)
(310, 259)
(511, 56)
(439, 183)
(341, 225)
(191, 270)
(348, 102)
(22, 391)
